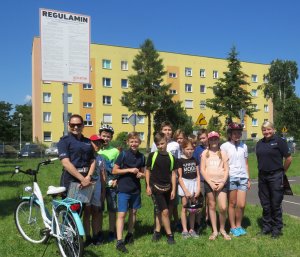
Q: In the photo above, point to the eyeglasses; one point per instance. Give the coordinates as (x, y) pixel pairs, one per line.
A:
(72, 125)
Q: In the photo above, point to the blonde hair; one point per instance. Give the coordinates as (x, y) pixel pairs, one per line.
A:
(267, 124)
(186, 143)
(218, 152)
(177, 133)
(134, 135)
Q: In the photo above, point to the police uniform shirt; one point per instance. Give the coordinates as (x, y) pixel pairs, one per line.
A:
(79, 151)
(270, 153)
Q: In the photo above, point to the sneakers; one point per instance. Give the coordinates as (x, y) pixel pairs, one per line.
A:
(121, 246)
(185, 235)
(242, 231)
(235, 232)
(111, 237)
(156, 236)
(170, 239)
(129, 238)
(98, 239)
(88, 241)
(193, 234)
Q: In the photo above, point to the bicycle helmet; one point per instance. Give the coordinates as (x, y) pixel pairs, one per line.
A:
(107, 128)
(234, 126)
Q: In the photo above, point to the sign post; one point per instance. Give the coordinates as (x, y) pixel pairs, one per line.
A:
(65, 50)
(242, 113)
(132, 120)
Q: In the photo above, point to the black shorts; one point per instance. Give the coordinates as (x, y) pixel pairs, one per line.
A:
(161, 201)
(208, 189)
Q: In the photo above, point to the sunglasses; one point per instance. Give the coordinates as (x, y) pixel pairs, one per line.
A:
(72, 125)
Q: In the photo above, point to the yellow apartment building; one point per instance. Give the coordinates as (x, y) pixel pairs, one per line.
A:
(191, 77)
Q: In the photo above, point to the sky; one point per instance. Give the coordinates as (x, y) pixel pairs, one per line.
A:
(261, 30)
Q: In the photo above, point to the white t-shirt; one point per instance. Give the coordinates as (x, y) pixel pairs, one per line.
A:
(172, 147)
(237, 159)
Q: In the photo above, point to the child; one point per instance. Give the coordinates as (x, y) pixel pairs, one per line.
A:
(179, 136)
(161, 185)
(130, 167)
(214, 168)
(189, 185)
(239, 183)
(109, 154)
(94, 207)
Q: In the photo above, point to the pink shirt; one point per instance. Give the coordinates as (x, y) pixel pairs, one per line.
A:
(214, 166)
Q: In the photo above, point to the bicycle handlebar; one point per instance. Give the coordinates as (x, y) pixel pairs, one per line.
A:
(33, 172)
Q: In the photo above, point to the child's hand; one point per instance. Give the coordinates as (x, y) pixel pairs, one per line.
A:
(220, 185)
(188, 194)
(140, 175)
(114, 183)
(134, 170)
(149, 191)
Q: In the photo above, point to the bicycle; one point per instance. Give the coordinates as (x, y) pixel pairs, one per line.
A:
(35, 223)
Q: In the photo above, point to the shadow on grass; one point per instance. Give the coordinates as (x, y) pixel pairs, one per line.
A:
(8, 206)
(142, 229)
(90, 253)
(12, 183)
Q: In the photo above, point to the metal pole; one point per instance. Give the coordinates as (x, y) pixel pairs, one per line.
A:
(65, 108)
(20, 117)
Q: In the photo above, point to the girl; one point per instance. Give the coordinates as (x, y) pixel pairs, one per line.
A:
(214, 168)
(239, 183)
(179, 136)
(189, 185)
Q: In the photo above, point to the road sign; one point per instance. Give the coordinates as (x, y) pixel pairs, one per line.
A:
(132, 119)
(201, 120)
(284, 130)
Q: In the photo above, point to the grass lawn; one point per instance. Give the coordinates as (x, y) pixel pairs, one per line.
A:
(12, 244)
(296, 189)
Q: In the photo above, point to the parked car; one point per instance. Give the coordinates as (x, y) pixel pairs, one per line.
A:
(7, 151)
(52, 150)
(31, 150)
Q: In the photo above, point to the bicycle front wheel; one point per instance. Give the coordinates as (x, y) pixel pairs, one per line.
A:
(69, 241)
(29, 221)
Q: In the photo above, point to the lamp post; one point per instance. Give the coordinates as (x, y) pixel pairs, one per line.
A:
(20, 117)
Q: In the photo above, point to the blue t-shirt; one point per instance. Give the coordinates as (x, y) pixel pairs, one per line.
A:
(197, 155)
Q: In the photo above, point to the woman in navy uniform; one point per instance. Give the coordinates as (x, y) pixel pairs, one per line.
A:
(76, 154)
(270, 152)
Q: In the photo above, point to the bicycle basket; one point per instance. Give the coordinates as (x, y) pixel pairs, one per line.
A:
(83, 195)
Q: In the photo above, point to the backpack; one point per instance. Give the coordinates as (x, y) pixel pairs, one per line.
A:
(155, 156)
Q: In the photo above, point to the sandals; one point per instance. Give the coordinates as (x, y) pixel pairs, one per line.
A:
(213, 236)
(225, 235)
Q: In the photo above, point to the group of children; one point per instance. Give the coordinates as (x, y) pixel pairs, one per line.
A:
(174, 169)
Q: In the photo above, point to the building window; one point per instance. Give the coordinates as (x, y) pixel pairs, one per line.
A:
(188, 88)
(106, 82)
(188, 104)
(124, 83)
(47, 136)
(254, 106)
(202, 73)
(47, 117)
(188, 72)
(215, 74)
(125, 118)
(47, 97)
(254, 78)
(70, 98)
(87, 86)
(107, 118)
(140, 119)
(142, 135)
(172, 75)
(202, 104)
(254, 92)
(173, 92)
(123, 98)
(106, 100)
(124, 65)
(254, 122)
(69, 116)
(87, 105)
(88, 123)
(202, 89)
(266, 108)
(106, 64)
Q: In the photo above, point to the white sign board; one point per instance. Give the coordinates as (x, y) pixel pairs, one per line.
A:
(65, 46)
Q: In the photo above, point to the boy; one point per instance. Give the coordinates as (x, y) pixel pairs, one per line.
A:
(130, 166)
(161, 185)
(94, 207)
(109, 154)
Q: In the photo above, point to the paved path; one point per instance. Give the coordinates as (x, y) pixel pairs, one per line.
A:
(290, 204)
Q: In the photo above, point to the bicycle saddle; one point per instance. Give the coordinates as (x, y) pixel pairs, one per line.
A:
(52, 190)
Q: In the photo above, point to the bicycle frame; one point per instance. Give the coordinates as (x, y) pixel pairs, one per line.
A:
(51, 221)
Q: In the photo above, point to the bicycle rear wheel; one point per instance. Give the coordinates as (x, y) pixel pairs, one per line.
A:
(69, 241)
(29, 221)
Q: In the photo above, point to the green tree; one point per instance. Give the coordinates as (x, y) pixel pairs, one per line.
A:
(26, 131)
(174, 113)
(214, 124)
(147, 90)
(230, 96)
(6, 125)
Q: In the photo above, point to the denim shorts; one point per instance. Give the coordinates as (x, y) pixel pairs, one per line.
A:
(128, 201)
(236, 183)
